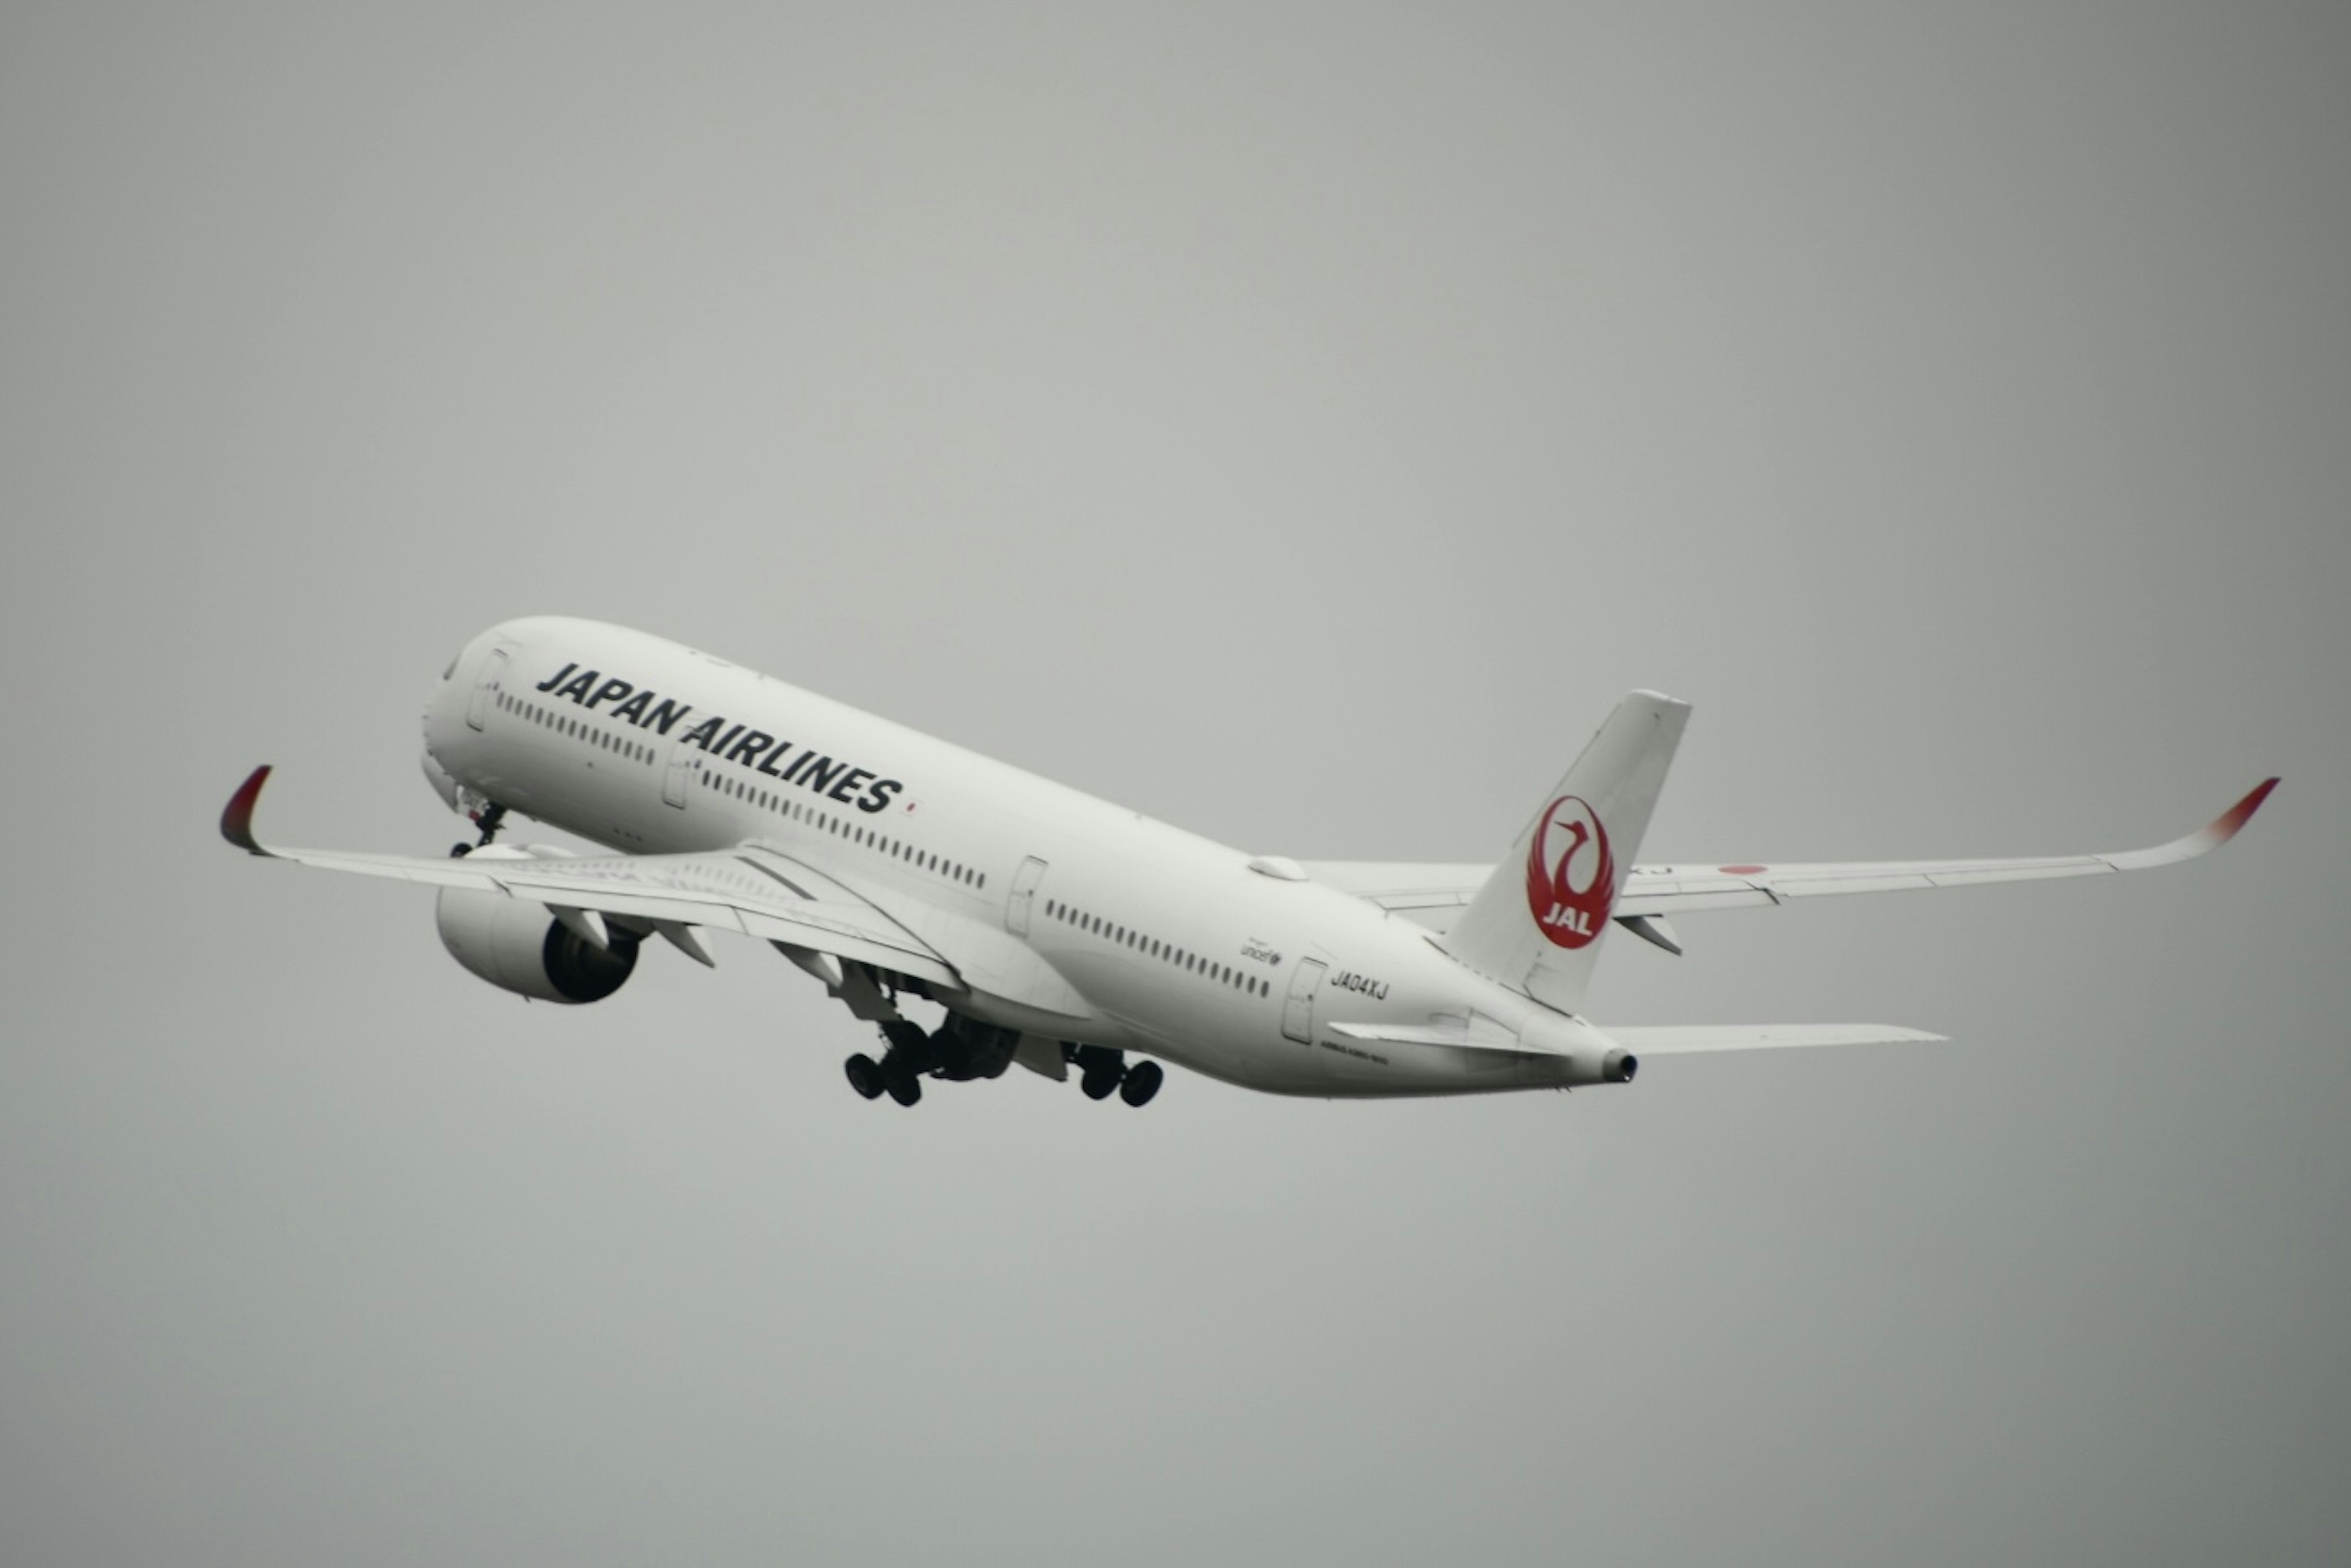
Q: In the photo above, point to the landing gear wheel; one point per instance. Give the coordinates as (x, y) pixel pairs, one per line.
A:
(1099, 1083)
(905, 1090)
(1142, 1081)
(864, 1075)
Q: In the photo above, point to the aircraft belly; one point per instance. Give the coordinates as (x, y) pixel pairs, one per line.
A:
(1336, 1069)
(1006, 1012)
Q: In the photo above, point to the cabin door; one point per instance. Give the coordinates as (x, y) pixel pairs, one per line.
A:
(1297, 1011)
(684, 758)
(1024, 894)
(486, 687)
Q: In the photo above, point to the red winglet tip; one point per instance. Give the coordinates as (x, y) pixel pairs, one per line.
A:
(2238, 815)
(237, 819)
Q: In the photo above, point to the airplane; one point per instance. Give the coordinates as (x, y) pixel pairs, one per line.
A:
(1057, 930)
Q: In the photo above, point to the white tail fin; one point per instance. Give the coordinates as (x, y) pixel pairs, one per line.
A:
(1536, 925)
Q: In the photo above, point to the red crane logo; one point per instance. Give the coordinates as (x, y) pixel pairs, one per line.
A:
(1570, 875)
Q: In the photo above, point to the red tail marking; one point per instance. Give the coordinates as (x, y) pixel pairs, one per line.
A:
(1568, 915)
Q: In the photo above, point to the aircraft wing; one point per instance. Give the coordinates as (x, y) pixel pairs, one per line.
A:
(747, 888)
(1654, 891)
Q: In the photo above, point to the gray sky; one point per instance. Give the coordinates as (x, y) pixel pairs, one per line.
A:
(1300, 423)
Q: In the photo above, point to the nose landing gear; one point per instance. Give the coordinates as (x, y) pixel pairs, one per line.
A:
(490, 818)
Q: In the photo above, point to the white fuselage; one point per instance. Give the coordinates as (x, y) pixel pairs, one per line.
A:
(1146, 938)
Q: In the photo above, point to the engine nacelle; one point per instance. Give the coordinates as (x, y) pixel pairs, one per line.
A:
(518, 946)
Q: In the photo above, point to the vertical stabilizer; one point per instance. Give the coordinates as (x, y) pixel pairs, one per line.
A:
(1537, 924)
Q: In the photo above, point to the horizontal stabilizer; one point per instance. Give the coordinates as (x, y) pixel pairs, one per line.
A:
(1691, 1039)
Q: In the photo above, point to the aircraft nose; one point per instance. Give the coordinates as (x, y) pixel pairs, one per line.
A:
(438, 776)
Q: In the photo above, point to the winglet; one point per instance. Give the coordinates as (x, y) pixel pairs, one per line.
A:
(2224, 826)
(2204, 840)
(237, 818)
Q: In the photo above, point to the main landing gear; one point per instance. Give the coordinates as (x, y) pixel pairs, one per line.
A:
(1101, 1070)
(912, 1053)
(964, 1048)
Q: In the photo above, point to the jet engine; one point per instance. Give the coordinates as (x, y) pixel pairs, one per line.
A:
(519, 946)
